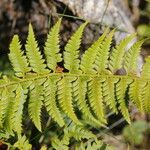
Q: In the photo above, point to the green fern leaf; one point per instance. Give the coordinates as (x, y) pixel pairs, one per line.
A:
(95, 98)
(88, 84)
(18, 109)
(116, 58)
(79, 94)
(91, 145)
(17, 58)
(35, 103)
(58, 144)
(64, 95)
(121, 88)
(3, 105)
(101, 62)
(146, 97)
(51, 49)
(71, 53)
(94, 145)
(50, 100)
(8, 115)
(109, 97)
(136, 92)
(33, 54)
(1, 109)
(131, 56)
(88, 58)
(78, 132)
(22, 144)
(146, 68)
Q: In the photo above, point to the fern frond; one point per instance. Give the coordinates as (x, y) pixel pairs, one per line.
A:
(35, 102)
(109, 97)
(50, 100)
(88, 58)
(51, 48)
(71, 53)
(95, 98)
(79, 95)
(121, 88)
(101, 62)
(17, 58)
(33, 53)
(116, 58)
(84, 87)
(131, 56)
(136, 92)
(146, 68)
(64, 95)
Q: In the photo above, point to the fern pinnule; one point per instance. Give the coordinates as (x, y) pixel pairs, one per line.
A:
(3, 105)
(88, 58)
(22, 143)
(34, 55)
(101, 62)
(64, 95)
(95, 98)
(146, 97)
(121, 88)
(1, 109)
(78, 132)
(20, 98)
(136, 93)
(79, 95)
(60, 144)
(9, 111)
(91, 145)
(50, 100)
(17, 58)
(131, 57)
(71, 53)
(109, 97)
(146, 69)
(35, 103)
(116, 58)
(51, 48)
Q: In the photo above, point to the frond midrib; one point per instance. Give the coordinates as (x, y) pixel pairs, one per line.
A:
(28, 77)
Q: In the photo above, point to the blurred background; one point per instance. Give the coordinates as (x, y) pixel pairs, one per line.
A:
(127, 16)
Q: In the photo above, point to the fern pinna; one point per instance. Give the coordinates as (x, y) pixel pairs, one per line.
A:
(81, 93)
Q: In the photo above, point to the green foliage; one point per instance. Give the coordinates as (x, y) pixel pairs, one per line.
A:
(116, 58)
(81, 94)
(16, 56)
(22, 144)
(78, 133)
(71, 53)
(130, 63)
(88, 58)
(134, 133)
(33, 54)
(52, 47)
(144, 30)
(101, 61)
